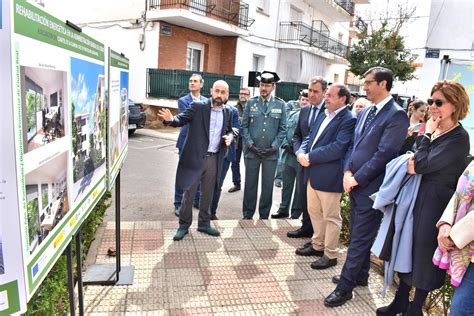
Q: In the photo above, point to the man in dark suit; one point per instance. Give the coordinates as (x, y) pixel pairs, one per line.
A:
(210, 132)
(322, 155)
(379, 134)
(316, 88)
(195, 85)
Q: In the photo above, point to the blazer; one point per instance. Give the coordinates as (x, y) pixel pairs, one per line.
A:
(326, 156)
(184, 103)
(302, 129)
(193, 155)
(374, 147)
(231, 153)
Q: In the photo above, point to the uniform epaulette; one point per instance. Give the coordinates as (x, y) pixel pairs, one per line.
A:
(280, 99)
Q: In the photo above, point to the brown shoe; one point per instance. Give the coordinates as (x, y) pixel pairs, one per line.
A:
(323, 263)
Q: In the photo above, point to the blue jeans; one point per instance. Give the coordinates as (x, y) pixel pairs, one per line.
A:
(463, 302)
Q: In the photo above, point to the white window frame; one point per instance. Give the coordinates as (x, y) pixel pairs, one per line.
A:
(260, 64)
(263, 6)
(195, 46)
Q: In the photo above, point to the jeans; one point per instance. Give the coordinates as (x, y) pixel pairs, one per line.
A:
(463, 302)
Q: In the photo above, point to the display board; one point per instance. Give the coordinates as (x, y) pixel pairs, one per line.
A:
(463, 72)
(118, 114)
(54, 156)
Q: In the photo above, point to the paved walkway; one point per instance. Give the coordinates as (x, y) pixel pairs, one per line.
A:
(251, 269)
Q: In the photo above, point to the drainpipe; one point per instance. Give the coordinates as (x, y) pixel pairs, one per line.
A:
(142, 37)
(277, 25)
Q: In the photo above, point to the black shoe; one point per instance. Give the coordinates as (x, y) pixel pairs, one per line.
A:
(337, 298)
(397, 306)
(362, 282)
(214, 217)
(308, 244)
(196, 205)
(176, 212)
(278, 183)
(279, 215)
(299, 233)
(246, 217)
(295, 216)
(309, 251)
(323, 263)
(235, 188)
(413, 310)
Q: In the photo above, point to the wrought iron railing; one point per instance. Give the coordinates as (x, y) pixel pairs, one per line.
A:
(173, 83)
(229, 11)
(299, 32)
(346, 5)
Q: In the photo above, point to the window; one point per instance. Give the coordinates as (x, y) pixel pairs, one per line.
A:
(339, 37)
(258, 63)
(295, 14)
(336, 78)
(262, 6)
(194, 56)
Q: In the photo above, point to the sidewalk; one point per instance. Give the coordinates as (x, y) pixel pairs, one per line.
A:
(251, 269)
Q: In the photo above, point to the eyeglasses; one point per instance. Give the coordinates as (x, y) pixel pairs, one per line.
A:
(437, 102)
(367, 82)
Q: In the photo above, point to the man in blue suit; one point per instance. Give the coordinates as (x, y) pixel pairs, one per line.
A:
(322, 156)
(379, 134)
(200, 162)
(195, 85)
(316, 88)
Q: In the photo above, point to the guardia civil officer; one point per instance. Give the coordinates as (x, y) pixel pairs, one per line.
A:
(263, 130)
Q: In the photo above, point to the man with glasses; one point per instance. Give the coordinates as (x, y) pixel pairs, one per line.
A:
(244, 95)
(263, 130)
(379, 134)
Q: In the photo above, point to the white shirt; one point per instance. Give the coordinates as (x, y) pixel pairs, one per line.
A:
(379, 106)
(325, 123)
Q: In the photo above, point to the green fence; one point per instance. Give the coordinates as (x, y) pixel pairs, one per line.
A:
(289, 90)
(173, 83)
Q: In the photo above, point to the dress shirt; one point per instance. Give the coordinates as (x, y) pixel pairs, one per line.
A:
(378, 106)
(313, 113)
(215, 129)
(325, 123)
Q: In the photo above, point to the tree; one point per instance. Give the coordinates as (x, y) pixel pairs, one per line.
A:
(382, 44)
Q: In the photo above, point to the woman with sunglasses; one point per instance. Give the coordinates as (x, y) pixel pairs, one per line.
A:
(440, 158)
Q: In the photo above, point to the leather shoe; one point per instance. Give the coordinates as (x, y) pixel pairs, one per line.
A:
(214, 217)
(279, 215)
(335, 279)
(323, 263)
(299, 233)
(209, 230)
(235, 188)
(180, 233)
(278, 183)
(337, 298)
(309, 251)
(308, 244)
(196, 205)
(176, 212)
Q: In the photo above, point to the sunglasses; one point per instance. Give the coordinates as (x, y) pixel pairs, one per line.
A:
(437, 102)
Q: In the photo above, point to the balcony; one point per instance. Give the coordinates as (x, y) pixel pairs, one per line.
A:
(346, 5)
(316, 35)
(216, 17)
(173, 83)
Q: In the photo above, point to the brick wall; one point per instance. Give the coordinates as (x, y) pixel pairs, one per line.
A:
(219, 51)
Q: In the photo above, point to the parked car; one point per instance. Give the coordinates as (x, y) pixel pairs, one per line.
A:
(136, 116)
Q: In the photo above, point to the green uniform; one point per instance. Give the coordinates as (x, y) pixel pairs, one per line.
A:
(291, 169)
(263, 126)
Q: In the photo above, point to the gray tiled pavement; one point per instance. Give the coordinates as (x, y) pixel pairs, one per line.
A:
(251, 269)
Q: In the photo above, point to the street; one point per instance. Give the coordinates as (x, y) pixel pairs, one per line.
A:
(148, 175)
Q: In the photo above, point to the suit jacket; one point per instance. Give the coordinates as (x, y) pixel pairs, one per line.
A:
(183, 104)
(231, 153)
(302, 129)
(327, 155)
(373, 148)
(193, 155)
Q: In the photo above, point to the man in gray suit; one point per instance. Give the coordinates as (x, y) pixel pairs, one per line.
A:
(210, 132)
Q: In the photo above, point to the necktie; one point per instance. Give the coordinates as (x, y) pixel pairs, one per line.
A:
(312, 116)
(265, 105)
(370, 117)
